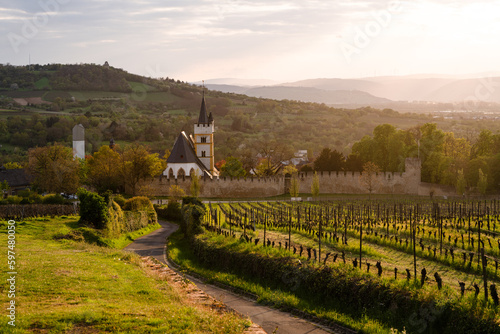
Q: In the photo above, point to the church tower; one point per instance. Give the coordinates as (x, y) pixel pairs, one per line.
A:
(204, 137)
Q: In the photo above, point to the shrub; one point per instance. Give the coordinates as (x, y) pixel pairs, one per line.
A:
(192, 216)
(93, 209)
(14, 199)
(53, 199)
(120, 200)
(170, 212)
(138, 203)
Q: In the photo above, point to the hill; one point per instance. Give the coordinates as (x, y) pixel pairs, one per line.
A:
(50, 99)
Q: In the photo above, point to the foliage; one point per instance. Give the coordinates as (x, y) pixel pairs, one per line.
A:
(176, 192)
(195, 186)
(192, 216)
(138, 203)
(104, 170)
(232, 168)
(139, 164)
(289, 170)
(460, 183)
(329, 160)
(93, 209)
(369, 176)
(54, 199)
(294, 186)
(54, 169)
(482, 182)
(315, 185)
(171, 212)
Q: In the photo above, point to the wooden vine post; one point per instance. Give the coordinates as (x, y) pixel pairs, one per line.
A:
(360, 242)
(319, 235)
(485, 281)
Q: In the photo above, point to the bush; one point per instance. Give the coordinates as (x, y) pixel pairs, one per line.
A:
(191, 200)
(170, 212)
(14, 199)
(192, 216)
(54, 199)
(120, 200)
(138, 203)
(93, 209)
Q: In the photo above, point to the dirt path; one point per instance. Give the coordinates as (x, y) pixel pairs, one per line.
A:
(271, 320)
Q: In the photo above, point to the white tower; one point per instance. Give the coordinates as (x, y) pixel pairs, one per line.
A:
(204, 137)
(79, 141)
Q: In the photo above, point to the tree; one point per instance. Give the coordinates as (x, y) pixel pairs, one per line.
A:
(54, 169)
(329, 160)
(315, 185)
(461, 183)
(233, 168)
(104, 170)
(289, 169)
(482, 183)
(138, 164)
(195, 184)
(353, 163)
(294, 186)
(176, 192)
(369, 175)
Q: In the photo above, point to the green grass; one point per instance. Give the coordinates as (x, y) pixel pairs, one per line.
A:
(67, 286)
(42, 83)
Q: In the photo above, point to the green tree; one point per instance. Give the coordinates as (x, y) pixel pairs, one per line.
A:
(138, 164)
(461, 183)
(315, 185)
(233, 168)
(294, 186)
(195, 184)
(54, 169)
(104, 170)
(329, 160)
(482, 183)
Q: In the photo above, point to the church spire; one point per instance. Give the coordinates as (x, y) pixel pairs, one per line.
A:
(203, 118)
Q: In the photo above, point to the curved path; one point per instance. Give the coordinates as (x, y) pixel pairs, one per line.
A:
(271, 320)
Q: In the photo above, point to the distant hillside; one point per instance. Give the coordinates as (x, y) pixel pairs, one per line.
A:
(440, 89)
(304, 94)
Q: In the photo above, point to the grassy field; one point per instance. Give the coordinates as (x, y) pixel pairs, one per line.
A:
(64, 286)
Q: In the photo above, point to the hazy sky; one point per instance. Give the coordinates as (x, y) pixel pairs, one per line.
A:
(288, 40)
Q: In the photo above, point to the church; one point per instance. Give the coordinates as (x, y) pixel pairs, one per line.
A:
(194, 154)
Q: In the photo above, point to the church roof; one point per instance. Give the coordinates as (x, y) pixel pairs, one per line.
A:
(203, 119)
(183, 152)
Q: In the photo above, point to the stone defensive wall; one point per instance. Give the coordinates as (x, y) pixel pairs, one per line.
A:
(407, 183)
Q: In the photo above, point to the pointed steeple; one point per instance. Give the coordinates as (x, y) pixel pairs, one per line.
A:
(203, 119)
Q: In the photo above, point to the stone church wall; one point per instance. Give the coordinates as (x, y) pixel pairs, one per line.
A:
(330, 183)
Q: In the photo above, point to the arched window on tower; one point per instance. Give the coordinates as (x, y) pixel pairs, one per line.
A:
(203, 139)
(203, 154)
(171, 173)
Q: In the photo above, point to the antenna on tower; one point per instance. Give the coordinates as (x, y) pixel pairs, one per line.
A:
(203, 85)
(29, 62)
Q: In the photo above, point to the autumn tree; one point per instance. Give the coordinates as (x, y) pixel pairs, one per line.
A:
(54, 169)
(138, 164)
(104, 172)
(482, 183)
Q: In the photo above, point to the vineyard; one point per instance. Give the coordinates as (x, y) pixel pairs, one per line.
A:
(449, 249)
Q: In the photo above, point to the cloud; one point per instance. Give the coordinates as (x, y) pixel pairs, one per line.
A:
(194, 39)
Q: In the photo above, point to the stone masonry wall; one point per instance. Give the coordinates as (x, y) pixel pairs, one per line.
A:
(330, 183)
